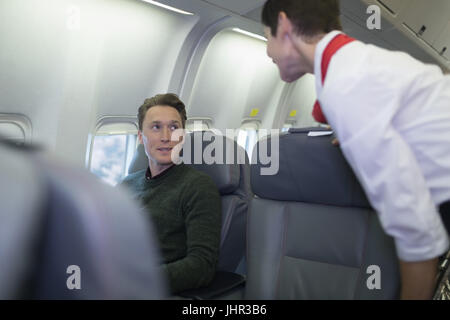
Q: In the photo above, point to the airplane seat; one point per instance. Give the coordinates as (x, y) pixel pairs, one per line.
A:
(312, 233)
(231, 174)
(65, 235)
(21, 200)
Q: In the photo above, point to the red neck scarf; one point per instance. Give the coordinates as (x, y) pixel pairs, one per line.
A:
(337, 43)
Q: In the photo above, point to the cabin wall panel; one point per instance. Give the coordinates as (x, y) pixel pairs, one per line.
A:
(234, 77)
(65, 63)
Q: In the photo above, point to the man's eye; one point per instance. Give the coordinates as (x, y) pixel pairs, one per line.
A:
(155, 127)
(173, 128)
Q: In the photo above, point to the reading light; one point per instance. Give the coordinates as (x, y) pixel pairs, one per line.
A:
(256, 36)
(168, 7)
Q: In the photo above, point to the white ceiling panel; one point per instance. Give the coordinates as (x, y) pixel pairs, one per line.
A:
(237, 6)
(255, 14)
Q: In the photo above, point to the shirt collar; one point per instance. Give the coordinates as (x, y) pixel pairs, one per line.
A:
(148, 174)
(320, 48)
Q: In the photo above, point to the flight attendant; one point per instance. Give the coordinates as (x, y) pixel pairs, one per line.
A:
(391, 114)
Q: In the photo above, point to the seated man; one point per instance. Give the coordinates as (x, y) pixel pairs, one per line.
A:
(183, 203)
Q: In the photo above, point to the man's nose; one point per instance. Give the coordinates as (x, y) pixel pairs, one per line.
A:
(165, 135)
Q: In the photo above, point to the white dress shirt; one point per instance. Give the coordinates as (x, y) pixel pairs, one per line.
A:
(391, 114)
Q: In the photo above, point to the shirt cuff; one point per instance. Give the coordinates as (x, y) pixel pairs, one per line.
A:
(436, 243)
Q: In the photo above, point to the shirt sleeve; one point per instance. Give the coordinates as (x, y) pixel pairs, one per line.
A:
(396, 188)
(203, 219)
(361, 105)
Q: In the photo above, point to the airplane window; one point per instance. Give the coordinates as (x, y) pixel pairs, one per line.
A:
(113, 148)
(15, 128)
(198, 124)
(286, 127)
(247, 139)
(112, 155)
(248, 136)
(11, 131)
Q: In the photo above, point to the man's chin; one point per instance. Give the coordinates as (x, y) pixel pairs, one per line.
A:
(291, 78)
(165, 163)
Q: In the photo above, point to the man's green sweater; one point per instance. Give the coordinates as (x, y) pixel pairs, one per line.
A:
(185, 208)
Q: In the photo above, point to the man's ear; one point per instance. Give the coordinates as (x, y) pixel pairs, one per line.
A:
(285, 27)
(140, 137)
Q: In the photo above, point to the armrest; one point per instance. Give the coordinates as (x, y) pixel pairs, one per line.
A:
(222, 283)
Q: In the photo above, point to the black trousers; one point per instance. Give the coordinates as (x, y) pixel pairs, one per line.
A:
(444, 209)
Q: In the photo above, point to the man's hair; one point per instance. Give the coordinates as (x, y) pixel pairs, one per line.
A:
(168, 99)
(309, 17)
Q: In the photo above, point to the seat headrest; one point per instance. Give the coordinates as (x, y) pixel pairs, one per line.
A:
(139, 161)
(22, 194)
(311, 170)
(47, 207)
(217, 156)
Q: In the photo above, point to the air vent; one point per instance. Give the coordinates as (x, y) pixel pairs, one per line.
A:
(422, 30)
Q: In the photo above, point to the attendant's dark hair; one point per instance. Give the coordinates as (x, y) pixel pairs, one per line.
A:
(168, 99)
(309, 17)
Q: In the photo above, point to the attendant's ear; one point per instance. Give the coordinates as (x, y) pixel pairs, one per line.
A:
(285, 26)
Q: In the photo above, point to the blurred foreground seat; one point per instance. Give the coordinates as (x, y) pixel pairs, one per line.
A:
(60, 228)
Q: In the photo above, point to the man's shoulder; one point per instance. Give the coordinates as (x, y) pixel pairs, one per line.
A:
(194, 173)
(190, 174)
(134, 177)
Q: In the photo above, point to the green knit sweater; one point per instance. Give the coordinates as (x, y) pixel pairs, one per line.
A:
(185, 208)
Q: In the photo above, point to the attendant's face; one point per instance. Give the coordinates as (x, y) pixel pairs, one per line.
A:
(156, 135)
(283, 52)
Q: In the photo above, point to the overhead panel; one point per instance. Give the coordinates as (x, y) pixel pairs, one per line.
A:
(414, 26)
(361, 33)
(442, 44)
(237, 6)
(356, 11)
(255, 14)
(427, 18)
(395, 6)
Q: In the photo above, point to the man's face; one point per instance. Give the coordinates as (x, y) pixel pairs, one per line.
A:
(157, 128)
(284, 54)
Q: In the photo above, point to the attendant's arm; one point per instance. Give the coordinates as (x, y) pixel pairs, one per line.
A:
(418, 279)
(335, 142)
(361, 108)
(397, 189)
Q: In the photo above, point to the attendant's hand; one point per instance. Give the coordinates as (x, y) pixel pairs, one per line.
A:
(418, 279)
(335, 142)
